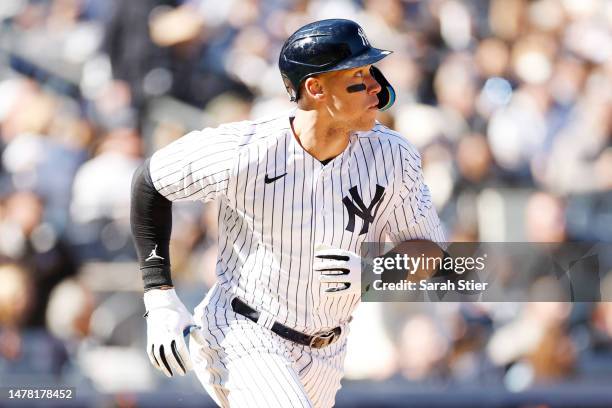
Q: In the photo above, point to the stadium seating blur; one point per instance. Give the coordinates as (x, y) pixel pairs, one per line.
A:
(508, 101)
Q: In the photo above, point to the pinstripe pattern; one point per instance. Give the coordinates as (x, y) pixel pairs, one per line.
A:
(248, 365)
(267, 233)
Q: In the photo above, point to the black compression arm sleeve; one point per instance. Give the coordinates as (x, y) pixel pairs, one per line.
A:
(151, 221)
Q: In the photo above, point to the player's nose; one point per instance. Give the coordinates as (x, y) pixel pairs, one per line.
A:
(372, 84)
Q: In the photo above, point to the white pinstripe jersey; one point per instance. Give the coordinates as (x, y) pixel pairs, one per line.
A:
(276, 202)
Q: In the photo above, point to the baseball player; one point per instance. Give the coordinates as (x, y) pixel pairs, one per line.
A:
(298, 193)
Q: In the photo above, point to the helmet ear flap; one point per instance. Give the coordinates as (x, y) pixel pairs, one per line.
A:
(386, 97)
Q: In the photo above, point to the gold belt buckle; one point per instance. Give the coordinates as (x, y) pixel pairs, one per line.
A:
(323, 339)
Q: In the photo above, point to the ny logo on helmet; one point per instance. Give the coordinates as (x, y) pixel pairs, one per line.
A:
(364, 40)
(356, 207)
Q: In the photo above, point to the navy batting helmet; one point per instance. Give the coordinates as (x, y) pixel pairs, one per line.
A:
(330, 45)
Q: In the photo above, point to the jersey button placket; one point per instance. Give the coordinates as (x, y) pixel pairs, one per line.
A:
(324, 178)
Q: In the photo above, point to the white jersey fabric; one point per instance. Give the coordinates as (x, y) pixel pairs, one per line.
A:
(276, 202)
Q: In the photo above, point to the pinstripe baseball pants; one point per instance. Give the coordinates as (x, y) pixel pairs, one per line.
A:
(247, 365)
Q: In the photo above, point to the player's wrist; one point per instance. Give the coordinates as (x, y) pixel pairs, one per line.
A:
(155, 277)
(162, 287)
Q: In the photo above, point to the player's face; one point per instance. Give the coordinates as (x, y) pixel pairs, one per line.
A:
(351, 97)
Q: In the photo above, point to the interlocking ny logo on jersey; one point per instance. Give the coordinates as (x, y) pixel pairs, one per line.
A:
(358, 208)
(153, 255)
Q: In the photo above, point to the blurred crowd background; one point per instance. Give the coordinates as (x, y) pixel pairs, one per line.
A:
(508, 101)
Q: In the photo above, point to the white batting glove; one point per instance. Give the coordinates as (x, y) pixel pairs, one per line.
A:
(168, 323)
(338, 266)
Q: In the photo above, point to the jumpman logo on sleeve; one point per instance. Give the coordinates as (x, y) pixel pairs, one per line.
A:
(153, 255)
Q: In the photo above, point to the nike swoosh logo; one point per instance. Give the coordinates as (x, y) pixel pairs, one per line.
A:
(269, 180)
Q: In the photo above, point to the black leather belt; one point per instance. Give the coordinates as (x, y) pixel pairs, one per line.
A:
(318, 340)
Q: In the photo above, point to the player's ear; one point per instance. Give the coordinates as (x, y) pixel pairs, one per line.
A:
(314, 88)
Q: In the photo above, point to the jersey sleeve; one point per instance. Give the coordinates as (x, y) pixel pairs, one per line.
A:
(195, 167)
(414, 216)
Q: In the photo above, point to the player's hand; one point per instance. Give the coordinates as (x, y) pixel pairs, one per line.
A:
(168, 323)
(338, 266)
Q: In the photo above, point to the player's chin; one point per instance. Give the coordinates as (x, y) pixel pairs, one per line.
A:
(368, 120)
